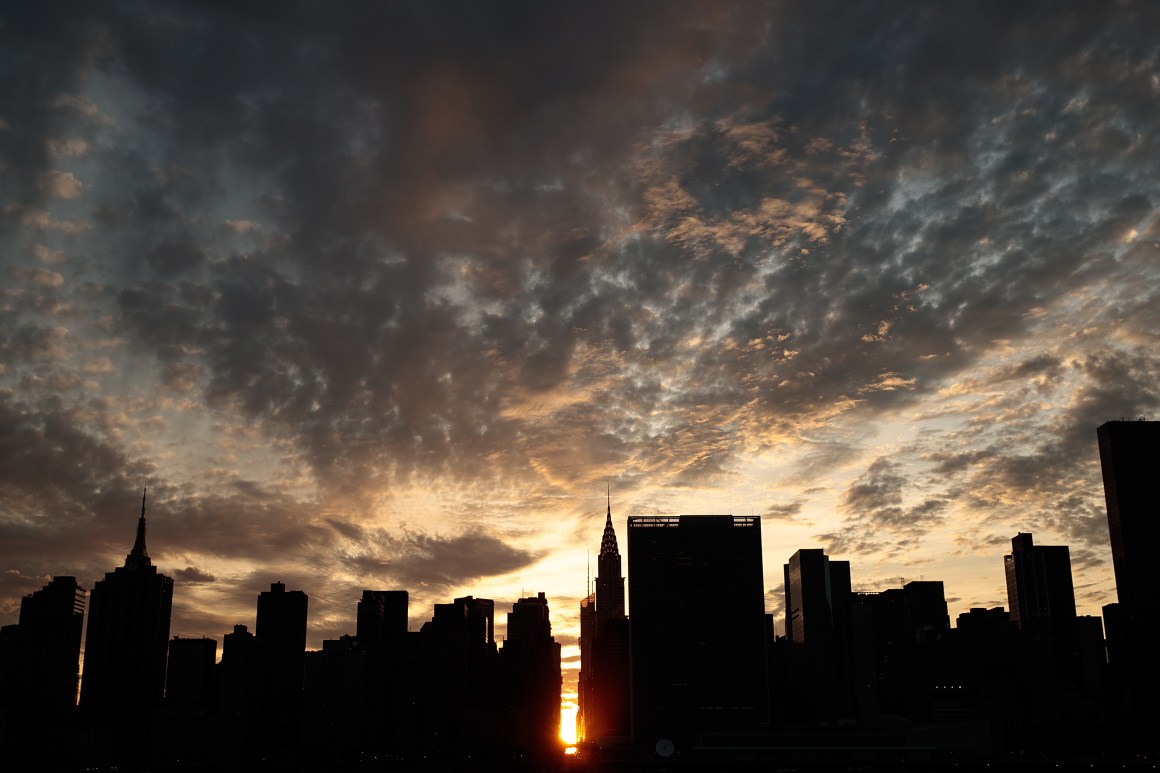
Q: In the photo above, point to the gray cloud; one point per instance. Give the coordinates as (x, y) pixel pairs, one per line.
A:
(877, 520)
(192, 575)
(534, 247)
(438, 562)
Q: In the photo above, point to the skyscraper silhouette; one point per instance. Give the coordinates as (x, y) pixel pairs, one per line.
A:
(280, 635)
(1042, 608)
(585, 692)
(125, 650)
(38, 688)
(1130, 460)
(818, 629)
(698, 658)
(531, 677)
(456, 707)
(604, 646)
(381, 618)
(1039, 586)
(609, 579)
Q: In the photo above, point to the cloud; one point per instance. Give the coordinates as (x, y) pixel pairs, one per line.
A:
(61, 185)
(191, 575)
(439, 562)
(877, 519)
(785, 510)
(528, 249)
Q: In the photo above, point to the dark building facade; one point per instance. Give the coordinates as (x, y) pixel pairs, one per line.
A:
(903, 656)
(456, 668)
(381, 618)
(819, 632)
(531, 678)
(126, 647)
(280, 636)
(38, 683)
(1041, 599)
(1130, 461)
(238, 675)
(585, 694)
(190, 684)
(1039, 585)
(697, 628)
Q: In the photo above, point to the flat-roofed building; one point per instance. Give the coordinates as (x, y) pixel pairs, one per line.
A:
(697, 626)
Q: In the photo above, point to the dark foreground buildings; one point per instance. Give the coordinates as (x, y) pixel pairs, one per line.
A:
(697, 627)
(870, 680)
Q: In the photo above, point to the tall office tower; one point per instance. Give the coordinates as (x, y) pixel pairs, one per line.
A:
(584, 681)
(125, 649)
(381, 618)
(531, 677)
(1039, 587)
(456, 663)
(1130, 461)
(50, 623)
(609, 580)
(1042, 607)
(819, 630)
(381, 697)
(280, 635)
(604, 646)
(697, 626)
(38, 691)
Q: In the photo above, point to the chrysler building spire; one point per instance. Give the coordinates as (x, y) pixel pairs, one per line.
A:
(609, 580)
(608, 545)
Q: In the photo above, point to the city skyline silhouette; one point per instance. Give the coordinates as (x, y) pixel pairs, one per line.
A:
(1036, 678)
(396, 296)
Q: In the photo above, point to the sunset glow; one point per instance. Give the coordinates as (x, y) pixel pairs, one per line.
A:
(395, 296)
(568, 724)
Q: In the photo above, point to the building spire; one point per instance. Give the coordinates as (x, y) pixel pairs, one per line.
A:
(139, 556)
(608, 540)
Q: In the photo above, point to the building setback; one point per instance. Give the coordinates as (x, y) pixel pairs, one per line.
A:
(697, 628)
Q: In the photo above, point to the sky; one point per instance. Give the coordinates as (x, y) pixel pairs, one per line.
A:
(392, 295)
